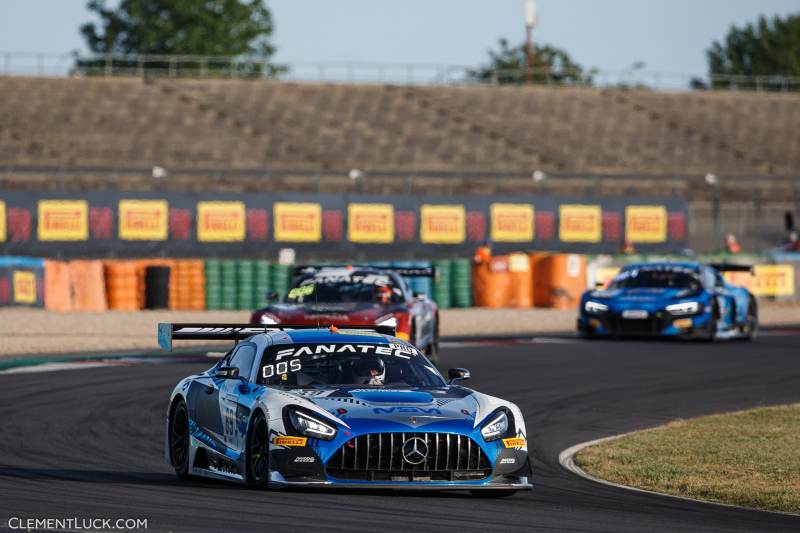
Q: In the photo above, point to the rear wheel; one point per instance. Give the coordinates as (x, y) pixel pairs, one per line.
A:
(257, 474)
(179, 439)
(750, 326)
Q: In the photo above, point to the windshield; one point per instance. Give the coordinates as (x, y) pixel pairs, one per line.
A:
(347, 287)
(372, 365)
(642, 278)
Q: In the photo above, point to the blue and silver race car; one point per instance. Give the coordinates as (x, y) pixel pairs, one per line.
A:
(355, 407)
(670, 300)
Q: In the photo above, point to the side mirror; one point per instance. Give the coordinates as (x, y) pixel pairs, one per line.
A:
(458, 374)
(271, 296)
(599, 285)
(227, 372)
(420, 296)
(232, 372)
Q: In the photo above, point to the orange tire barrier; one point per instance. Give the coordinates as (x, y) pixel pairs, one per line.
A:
(540, 297)
(57, 293)
(521, 281)
(491, 283)
(122, 285)
(560, 281)
(88, 288)
(190, 285)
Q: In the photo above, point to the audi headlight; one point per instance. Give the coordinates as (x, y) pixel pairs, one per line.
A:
(595, 307)
(496, 427)
(269, 320)
(388, 320)
(310, 426)
(685, 308)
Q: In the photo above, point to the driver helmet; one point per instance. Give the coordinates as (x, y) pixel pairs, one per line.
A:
(370, 371)
(384, 294)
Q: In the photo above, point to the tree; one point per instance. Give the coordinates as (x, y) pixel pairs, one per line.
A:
(220, 28)
(766, 49)
(550, 65)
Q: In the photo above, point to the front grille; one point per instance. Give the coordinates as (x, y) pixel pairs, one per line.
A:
(628, 326)
(379, 457)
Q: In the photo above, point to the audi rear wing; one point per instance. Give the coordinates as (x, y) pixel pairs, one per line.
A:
(730, 267)
(408, 272)
(168, 332)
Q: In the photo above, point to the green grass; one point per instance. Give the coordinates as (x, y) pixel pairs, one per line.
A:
(748, 458)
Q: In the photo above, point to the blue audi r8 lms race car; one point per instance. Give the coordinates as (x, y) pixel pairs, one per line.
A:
(688, 300)
(355, 407)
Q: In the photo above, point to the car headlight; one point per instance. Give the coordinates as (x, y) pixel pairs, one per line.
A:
(685, 308)
(496, 427)
(595, 307)
(310, 426)
(388, 320)
(269, 320)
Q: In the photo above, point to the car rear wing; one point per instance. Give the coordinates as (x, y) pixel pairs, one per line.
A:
(730, 267)
(408, 272)
(168, 332)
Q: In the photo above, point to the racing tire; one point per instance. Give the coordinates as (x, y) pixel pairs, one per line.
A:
(179, 439)
(750, 328)
(711, 332)
(493, 493)
(257, 456)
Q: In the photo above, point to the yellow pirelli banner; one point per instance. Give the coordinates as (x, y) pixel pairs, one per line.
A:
(442, 224)
(646, 223)
(297, 221)
(2, 221)
(511, 222)
(63, 220)
(580, 223)
(143, 220)
(24, 287)
(221, 221)
(370, 223)
(767, 280)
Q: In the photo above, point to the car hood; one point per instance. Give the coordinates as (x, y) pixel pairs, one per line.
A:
(366, 410)
(652, 296)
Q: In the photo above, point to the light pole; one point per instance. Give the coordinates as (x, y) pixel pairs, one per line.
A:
(531, 18)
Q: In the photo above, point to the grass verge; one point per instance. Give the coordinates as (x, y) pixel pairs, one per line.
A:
(748, 458)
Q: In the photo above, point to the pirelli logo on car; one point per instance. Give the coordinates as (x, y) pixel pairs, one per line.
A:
(516, 442)
(289, 441)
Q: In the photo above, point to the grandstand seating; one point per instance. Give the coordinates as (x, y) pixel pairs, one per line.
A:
(267, 124)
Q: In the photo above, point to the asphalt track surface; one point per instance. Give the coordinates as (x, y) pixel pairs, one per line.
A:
(88, 443)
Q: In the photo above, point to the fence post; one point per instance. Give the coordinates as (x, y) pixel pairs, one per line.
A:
(172, 67)
(140, 66)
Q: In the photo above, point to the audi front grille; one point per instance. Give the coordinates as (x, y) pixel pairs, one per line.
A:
(380, 457)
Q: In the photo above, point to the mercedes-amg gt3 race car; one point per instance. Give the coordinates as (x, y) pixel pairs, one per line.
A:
(359, 296)
(328, 407)
(670, 300)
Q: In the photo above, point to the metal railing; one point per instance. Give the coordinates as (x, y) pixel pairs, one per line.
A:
(73, 64)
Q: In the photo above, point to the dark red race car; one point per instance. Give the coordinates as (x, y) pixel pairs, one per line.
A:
(358, 296)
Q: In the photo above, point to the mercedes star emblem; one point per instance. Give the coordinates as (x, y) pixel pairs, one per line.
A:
(415, 451)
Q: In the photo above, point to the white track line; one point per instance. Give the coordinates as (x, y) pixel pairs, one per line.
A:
(52, 367)
(567, 461)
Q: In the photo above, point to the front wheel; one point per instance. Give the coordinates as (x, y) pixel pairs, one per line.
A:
(179, 440)
(258, 453)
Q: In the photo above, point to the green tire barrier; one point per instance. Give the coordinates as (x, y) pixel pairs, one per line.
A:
(213, 284)
(442, 289)
(263, 282)
(245, 285)
(228, 278)
(281, 277)
(461, 283)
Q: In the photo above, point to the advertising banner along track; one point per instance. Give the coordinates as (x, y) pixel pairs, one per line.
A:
(130, 224)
